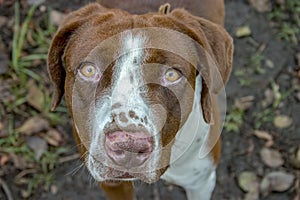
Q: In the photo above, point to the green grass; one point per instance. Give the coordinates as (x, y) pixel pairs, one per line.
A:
(264, 116)
(31, 40)
(30, 45)
(253, 66)
(18, 42)
(287, 18)
(268, 114)
(43, 177)
(234, 120)
(36, 181)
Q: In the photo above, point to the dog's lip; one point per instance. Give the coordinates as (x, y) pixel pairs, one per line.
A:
(117, 174)
(126, 175)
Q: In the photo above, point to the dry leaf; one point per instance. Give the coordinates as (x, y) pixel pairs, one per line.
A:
(3, 159)
(38, 145)
(269, 63)
(276, 182)
(19, 161)
(33, 125)
(25, 193)
(282, 121)
(56, 17)
(54, 189)
(243, 31)
(248, 181)
(261, 5)
(244, 103)
(269, 143)
(3, 20)
(269, 98)
(254, 195)
(35, 96)
(251, 146)
(280, 2)
(53, 137)
(263, 135)
(295, 159)
(271, 157)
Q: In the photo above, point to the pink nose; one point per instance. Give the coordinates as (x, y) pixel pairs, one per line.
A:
(128, 149)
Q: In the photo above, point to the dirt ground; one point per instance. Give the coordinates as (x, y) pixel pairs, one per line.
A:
(241, 149)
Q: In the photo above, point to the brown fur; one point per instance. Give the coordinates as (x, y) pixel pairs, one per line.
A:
(125, 190)
(212, 10)
(83, 29)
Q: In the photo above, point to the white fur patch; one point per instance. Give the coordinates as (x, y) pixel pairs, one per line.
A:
(128, 78)
(196, 175)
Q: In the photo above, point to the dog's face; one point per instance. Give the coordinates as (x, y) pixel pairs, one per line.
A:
(130, 83)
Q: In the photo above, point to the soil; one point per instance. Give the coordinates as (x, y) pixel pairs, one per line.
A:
(240, 151)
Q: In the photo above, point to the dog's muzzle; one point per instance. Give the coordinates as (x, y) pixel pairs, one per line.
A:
(128, 141)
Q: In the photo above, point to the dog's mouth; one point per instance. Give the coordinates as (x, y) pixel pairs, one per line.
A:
(114, 174)
(124, 153)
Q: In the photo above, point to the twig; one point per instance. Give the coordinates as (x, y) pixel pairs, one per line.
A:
(24, 173)
(6, 189)
(69, 158)
(261, 49)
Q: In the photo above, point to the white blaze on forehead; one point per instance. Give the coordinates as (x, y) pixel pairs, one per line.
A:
(127, 77)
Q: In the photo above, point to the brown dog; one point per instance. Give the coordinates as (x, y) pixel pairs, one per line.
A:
(141, 90)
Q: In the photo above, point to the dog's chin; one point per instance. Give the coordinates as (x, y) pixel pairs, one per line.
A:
(103, 173)
(125, 176)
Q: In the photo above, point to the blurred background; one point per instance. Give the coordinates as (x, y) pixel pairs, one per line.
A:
(261, 137)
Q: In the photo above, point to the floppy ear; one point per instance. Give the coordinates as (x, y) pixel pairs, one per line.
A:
(55, 63)
(216, 49)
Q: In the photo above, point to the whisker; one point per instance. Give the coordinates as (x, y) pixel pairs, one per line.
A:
(75, 170)
(92, 181)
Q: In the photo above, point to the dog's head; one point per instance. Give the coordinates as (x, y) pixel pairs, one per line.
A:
(130, 83)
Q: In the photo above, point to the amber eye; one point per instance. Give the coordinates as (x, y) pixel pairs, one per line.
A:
(172, 75)
(88, 70)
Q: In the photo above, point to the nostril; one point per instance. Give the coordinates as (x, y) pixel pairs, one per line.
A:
(119, 152)
(144, 151)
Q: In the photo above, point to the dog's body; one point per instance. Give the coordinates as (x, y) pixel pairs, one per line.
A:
(141, 90)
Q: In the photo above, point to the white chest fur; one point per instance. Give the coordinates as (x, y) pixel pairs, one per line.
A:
(196, 175)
